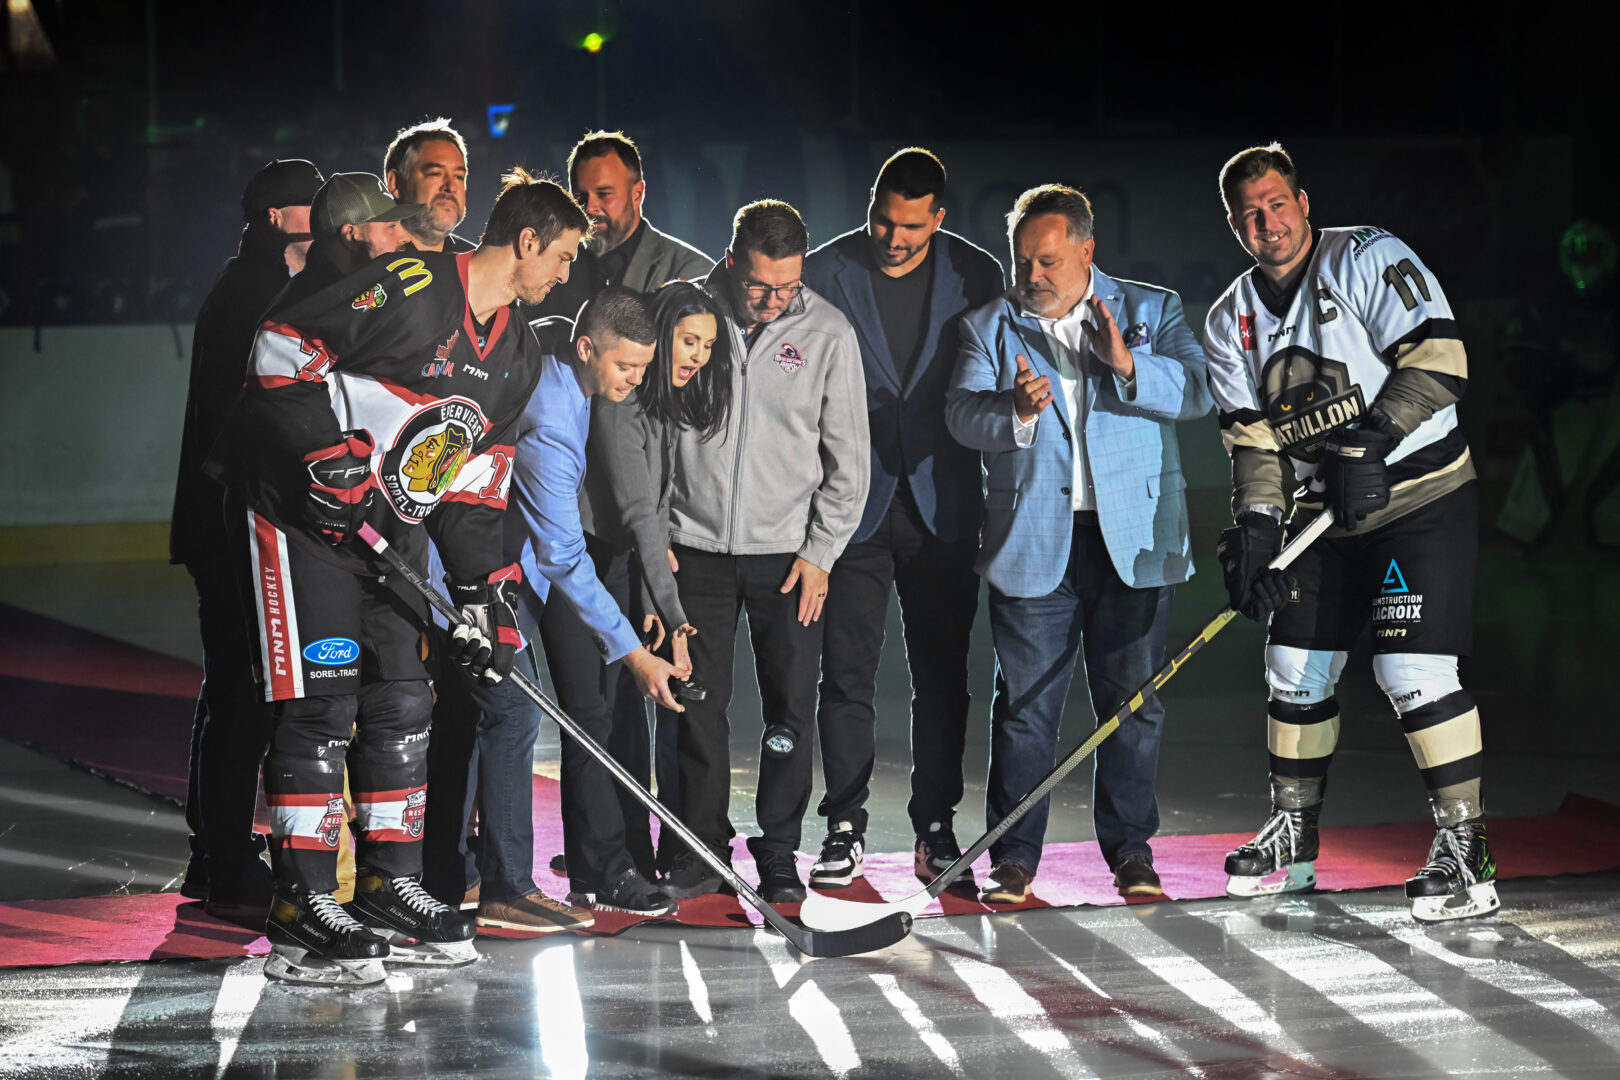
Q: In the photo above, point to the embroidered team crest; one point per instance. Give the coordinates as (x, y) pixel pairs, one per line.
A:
(415, 811)
(789, 358)
(371, 299)
(331, 822)
(1137, 337)
(1246, 330)
(428, 453)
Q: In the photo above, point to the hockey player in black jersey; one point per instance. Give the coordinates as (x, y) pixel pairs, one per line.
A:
(1339, 352)
(389, 397)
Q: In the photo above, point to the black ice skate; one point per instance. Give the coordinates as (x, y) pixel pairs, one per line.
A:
(418, 929)
(313, 940)
(1459, 881)
(1280, 859)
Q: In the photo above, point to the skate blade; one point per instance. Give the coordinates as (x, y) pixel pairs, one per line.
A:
(306, 969)
(1295, 878)
(432, 954)
(1478, 900)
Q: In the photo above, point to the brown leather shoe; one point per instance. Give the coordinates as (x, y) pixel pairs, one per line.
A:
(1009, 884)
(469, 899)
(1136, 877)
(537, 912)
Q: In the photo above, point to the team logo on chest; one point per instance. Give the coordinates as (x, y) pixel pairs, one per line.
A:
(1306, 397)
(789, 358)
(427, 454)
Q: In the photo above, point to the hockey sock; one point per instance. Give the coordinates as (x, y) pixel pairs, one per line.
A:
(1442, 727)
(388, 767)
(1301, 739)
(303, 786)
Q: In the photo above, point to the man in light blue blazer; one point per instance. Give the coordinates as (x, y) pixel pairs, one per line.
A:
(1070, 385)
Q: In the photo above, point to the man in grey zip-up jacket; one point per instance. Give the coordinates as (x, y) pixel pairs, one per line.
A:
(759, 515)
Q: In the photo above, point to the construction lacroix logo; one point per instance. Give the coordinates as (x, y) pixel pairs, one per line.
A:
(331, 823)
(428, 454)
(1397, 610)
(415, 811)
(1306, 397)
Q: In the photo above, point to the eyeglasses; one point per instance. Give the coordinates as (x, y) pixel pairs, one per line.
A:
(758, 291)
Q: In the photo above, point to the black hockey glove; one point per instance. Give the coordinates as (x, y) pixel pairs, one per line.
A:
(1357, 481)
(1245, 551)
(488, 646)
(340, 486)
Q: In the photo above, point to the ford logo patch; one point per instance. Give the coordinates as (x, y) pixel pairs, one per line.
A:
(332, 651)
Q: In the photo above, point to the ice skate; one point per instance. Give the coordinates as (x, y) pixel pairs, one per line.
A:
(1280, 859)
(417, 928)
(1459, 881)
(314, 941)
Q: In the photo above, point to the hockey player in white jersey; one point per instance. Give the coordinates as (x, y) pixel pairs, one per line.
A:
(1339, 352)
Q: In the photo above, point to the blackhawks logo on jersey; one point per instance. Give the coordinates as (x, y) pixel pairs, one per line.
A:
(1306, 397)
(428, 454)
(371, 299)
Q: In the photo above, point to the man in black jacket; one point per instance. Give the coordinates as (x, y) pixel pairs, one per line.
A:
(231, 729)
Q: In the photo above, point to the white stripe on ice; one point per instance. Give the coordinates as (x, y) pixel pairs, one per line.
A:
(560, 1015)
(818, 1016)
(1021, 1014)
(239, 991)
(909, 1011)
(696, 989)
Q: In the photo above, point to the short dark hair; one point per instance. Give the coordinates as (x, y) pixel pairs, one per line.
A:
(533, 202)
(912, 173)
(704, 404)
(770, 227)
(1247, 166)
(595, 144)
(1052, 199)
(617, 314)
(402, 151)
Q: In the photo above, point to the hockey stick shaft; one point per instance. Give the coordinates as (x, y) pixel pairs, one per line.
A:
(810, 942)
(825, 905)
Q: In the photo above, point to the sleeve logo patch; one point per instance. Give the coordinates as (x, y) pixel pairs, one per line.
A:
(789, 358)
(428, 454)
(1246, 331)
(1364, 238)
(413, 273)
(370, 300)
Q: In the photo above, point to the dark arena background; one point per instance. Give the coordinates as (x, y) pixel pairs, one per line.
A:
(1483, 135)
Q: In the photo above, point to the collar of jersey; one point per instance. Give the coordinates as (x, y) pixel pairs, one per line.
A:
(502, 317)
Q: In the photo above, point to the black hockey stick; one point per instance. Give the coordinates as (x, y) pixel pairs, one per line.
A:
(871, 935)
(829, 912)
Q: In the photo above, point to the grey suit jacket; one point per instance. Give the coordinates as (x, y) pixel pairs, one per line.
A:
(660, 258)
(625, 499)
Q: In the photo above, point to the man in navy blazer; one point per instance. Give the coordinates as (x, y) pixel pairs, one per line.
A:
(903, 282)
(1071, 385)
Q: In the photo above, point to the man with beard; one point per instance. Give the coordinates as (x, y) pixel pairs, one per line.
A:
(231, 728)
(903, 282)
(1339, 352)
(427, 164)
(354, 221)
(1085, 533)
(604, 174)
(417, 366)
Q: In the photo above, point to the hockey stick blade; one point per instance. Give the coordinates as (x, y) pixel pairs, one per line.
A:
(869, 936)
(830, 913)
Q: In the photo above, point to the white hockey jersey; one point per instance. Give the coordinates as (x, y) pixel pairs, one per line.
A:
(1367, 323)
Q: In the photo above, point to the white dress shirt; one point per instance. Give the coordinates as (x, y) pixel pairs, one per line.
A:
(1067, 342)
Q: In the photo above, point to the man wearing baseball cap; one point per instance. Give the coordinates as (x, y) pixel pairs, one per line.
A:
(231, 728)
(354, 220)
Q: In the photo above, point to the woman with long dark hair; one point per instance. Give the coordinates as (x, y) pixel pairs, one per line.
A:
(624, 508)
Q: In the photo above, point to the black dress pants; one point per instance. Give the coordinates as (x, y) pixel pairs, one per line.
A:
(939, 594)
(715, 589)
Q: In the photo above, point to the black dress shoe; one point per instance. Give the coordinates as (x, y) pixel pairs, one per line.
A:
(779, 877)
(1136, 877)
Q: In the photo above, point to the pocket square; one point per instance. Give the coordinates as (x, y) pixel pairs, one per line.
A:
(1137, 336)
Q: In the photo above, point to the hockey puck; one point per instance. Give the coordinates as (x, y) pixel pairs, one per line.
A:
(690, 690)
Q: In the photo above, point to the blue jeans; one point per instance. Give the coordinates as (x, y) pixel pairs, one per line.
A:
(1122, 632)
(482, 749)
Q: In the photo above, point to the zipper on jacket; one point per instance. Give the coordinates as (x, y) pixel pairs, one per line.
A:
(742, 424)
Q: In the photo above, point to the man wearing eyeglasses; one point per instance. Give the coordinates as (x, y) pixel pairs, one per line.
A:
(759, 515)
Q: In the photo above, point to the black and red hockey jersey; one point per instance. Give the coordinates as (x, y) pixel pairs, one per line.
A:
(392, 349)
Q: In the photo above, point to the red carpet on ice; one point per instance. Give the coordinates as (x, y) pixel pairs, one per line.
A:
(126, 712)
